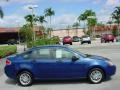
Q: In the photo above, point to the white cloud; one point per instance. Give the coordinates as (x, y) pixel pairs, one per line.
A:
(12, 21)
(63, 20)
(113, 2)
(26, 7)
(96, 1)
(3, 2)
(104, 14)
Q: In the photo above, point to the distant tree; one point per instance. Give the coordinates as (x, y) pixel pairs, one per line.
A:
(116, 17)
(26, 33)
(100, 24)
(30, 19)
(49, 31)
(1, 13)
(91, 21)
(90, 16)
(76, 25)
(115, 31)
(49, 12)
(83, 18)
(41, 20)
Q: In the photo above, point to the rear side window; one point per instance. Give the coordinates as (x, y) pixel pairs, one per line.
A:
(44, 53)
(38, 54)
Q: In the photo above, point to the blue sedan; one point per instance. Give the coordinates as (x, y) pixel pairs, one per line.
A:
(59, 63)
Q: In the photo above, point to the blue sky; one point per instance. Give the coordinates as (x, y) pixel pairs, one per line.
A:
(66, 11)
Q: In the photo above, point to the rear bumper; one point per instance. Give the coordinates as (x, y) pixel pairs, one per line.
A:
(68, 42)
(10, 71)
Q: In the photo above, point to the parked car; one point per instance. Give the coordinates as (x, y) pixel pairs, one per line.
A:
(67, 40)
(59, 63)
(107, 38)
(76, 39)
(85, 39)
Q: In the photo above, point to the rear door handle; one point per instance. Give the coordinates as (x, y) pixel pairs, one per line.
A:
(59, 61)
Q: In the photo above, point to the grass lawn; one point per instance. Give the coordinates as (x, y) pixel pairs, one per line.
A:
(7, 50)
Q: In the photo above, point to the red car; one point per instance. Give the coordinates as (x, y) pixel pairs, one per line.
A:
(107, 38)
(67, 40)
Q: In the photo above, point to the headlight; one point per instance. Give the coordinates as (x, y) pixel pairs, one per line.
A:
(110, 63)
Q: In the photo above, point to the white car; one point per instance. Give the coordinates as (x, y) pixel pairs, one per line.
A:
(85, 39)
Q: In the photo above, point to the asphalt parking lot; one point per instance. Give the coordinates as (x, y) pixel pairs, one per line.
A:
(109, 50)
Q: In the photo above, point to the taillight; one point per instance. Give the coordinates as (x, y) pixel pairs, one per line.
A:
(8, 62)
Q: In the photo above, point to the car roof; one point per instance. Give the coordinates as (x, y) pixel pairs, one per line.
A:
(48, 46)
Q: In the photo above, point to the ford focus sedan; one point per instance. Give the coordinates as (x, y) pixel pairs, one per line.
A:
(59, 63)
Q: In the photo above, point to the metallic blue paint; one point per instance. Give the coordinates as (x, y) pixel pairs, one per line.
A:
(53, 69)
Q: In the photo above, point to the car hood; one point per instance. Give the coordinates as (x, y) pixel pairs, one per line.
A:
(96, 57)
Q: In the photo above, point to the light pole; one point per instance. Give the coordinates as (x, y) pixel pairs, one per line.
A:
(32, 7)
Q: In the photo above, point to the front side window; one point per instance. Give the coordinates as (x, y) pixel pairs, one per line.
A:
(63, 54)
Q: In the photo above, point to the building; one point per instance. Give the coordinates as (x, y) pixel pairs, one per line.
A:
(105, 29)
(7, 34)
(68, 32)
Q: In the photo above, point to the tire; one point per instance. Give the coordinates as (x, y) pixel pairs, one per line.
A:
(96, 75)
(25, 78)
(71, 43)
(89, 42)
(81, 43)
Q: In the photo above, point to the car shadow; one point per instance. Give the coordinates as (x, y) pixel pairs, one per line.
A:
(50, 82)
(53, 82)
(10, 81)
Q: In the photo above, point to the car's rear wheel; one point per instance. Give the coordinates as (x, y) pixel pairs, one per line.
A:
(96, 75)
(81, 43)
(25, 78)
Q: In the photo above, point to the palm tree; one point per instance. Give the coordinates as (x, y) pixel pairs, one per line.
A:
(41, 20)
(76, 25)
(116, 17)
(49, 12)
(88, 15)
(82, 17)
(1, 13)
(29, 19)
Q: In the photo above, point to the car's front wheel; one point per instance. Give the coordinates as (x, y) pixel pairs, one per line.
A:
(25, 78)
(96, 75)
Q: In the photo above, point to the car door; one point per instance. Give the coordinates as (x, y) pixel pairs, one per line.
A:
(44, 64)
(65, 67)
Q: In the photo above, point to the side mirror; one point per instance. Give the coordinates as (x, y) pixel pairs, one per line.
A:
(74, 58)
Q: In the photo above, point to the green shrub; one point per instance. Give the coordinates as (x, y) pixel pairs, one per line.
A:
(43, 41)
(7, 50)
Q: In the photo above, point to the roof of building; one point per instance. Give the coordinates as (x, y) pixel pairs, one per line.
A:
(6, 30)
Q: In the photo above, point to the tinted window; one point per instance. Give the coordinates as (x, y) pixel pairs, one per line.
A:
(38, 54)
(44, 53)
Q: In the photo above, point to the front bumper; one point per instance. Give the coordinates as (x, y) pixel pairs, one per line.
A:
(111, 70)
